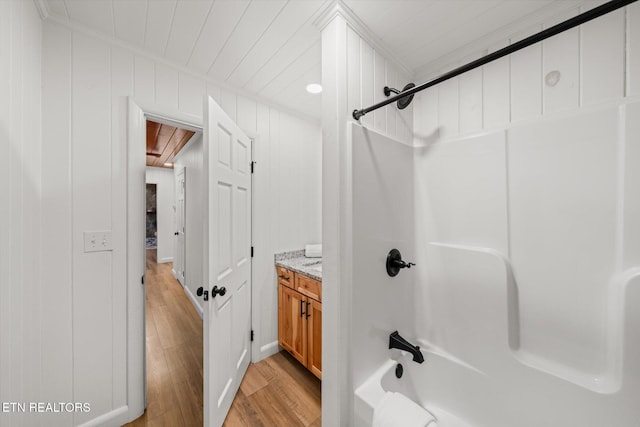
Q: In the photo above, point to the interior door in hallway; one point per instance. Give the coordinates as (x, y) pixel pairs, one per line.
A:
(180, 237)
(227, 312)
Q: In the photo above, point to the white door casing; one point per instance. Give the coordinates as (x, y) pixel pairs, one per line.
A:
(180, 233)
(227, 261)
(136, 365)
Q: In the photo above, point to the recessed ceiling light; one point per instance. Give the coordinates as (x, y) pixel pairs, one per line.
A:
(168, 164)
(314, 88)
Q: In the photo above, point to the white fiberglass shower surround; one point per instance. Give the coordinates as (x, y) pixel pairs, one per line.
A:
(525, 297)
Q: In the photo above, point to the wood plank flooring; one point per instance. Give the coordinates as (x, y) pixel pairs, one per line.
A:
(275, 392)
(174, 352)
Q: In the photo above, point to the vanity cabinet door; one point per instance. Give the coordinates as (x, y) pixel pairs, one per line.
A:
(292, 323)
(314, 326)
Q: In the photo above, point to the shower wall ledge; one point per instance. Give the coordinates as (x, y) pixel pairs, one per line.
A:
(618, 323)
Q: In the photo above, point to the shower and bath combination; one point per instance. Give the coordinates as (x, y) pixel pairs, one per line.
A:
(462, 307)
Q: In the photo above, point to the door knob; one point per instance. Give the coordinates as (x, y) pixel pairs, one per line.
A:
(200, 292)
(218, 291)
(176, 233)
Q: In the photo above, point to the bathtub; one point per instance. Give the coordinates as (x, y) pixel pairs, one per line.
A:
(369, 394)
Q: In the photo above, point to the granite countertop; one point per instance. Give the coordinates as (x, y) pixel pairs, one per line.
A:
(296, 261)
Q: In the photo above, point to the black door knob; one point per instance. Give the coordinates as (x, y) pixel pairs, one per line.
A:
(200, 292)
(218, 291)
(176, 233)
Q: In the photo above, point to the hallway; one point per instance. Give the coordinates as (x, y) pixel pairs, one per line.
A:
(174, 352)
(276, 391)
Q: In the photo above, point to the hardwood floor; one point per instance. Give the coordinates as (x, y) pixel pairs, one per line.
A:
(275, 392)
(174, 352)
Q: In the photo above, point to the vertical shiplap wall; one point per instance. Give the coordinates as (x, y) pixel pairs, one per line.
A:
(595, 63)
(21, 220)
(368, 72)
(85, 84)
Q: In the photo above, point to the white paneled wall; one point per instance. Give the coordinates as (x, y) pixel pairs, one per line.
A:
(23, 300)
(368, 72)
(165, 200)
(595, 63)
(85, 82)
(287, 204)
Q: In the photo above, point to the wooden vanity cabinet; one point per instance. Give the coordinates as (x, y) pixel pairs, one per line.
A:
(300, 318)
(314, 337)
(292, 326)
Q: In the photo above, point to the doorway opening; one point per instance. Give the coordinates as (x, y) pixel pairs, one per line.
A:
(173, 329)
(231, 199)
(151, 235)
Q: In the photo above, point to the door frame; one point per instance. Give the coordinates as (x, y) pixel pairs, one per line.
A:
(136, 321)
(176, 247)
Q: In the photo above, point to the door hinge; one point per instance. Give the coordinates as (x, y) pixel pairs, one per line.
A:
(252, 163)
(142, 279)
(251, 251)
(252, 335)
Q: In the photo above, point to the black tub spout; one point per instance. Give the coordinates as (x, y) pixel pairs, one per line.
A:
(396, 341)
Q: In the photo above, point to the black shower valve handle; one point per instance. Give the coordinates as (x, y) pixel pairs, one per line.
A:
(402, 264)
(395, 263)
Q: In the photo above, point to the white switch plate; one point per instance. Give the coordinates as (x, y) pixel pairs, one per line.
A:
(96, 241)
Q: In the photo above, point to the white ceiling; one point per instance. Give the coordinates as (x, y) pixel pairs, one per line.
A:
(272, 47)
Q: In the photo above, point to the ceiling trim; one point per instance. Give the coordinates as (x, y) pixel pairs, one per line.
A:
(43, 8)
(83, 29)
(339, 8)
(164, 120)
(499, 38)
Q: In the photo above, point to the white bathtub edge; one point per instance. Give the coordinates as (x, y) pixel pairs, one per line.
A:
(369, 394)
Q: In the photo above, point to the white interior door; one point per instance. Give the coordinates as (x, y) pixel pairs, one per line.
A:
(136, 254)
(179, 259)
(227, 261)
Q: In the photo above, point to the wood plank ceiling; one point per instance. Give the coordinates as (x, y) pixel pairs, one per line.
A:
(164, 142)
(271, 48)
(266, 47)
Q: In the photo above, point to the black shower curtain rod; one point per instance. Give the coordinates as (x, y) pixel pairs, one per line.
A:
(549, 32)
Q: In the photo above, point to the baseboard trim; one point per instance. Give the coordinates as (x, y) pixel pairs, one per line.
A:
(194, 301)
(269, 349)
(164, 260)
(114, 418)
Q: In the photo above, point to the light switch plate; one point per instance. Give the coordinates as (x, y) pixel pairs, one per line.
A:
(97, 241)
